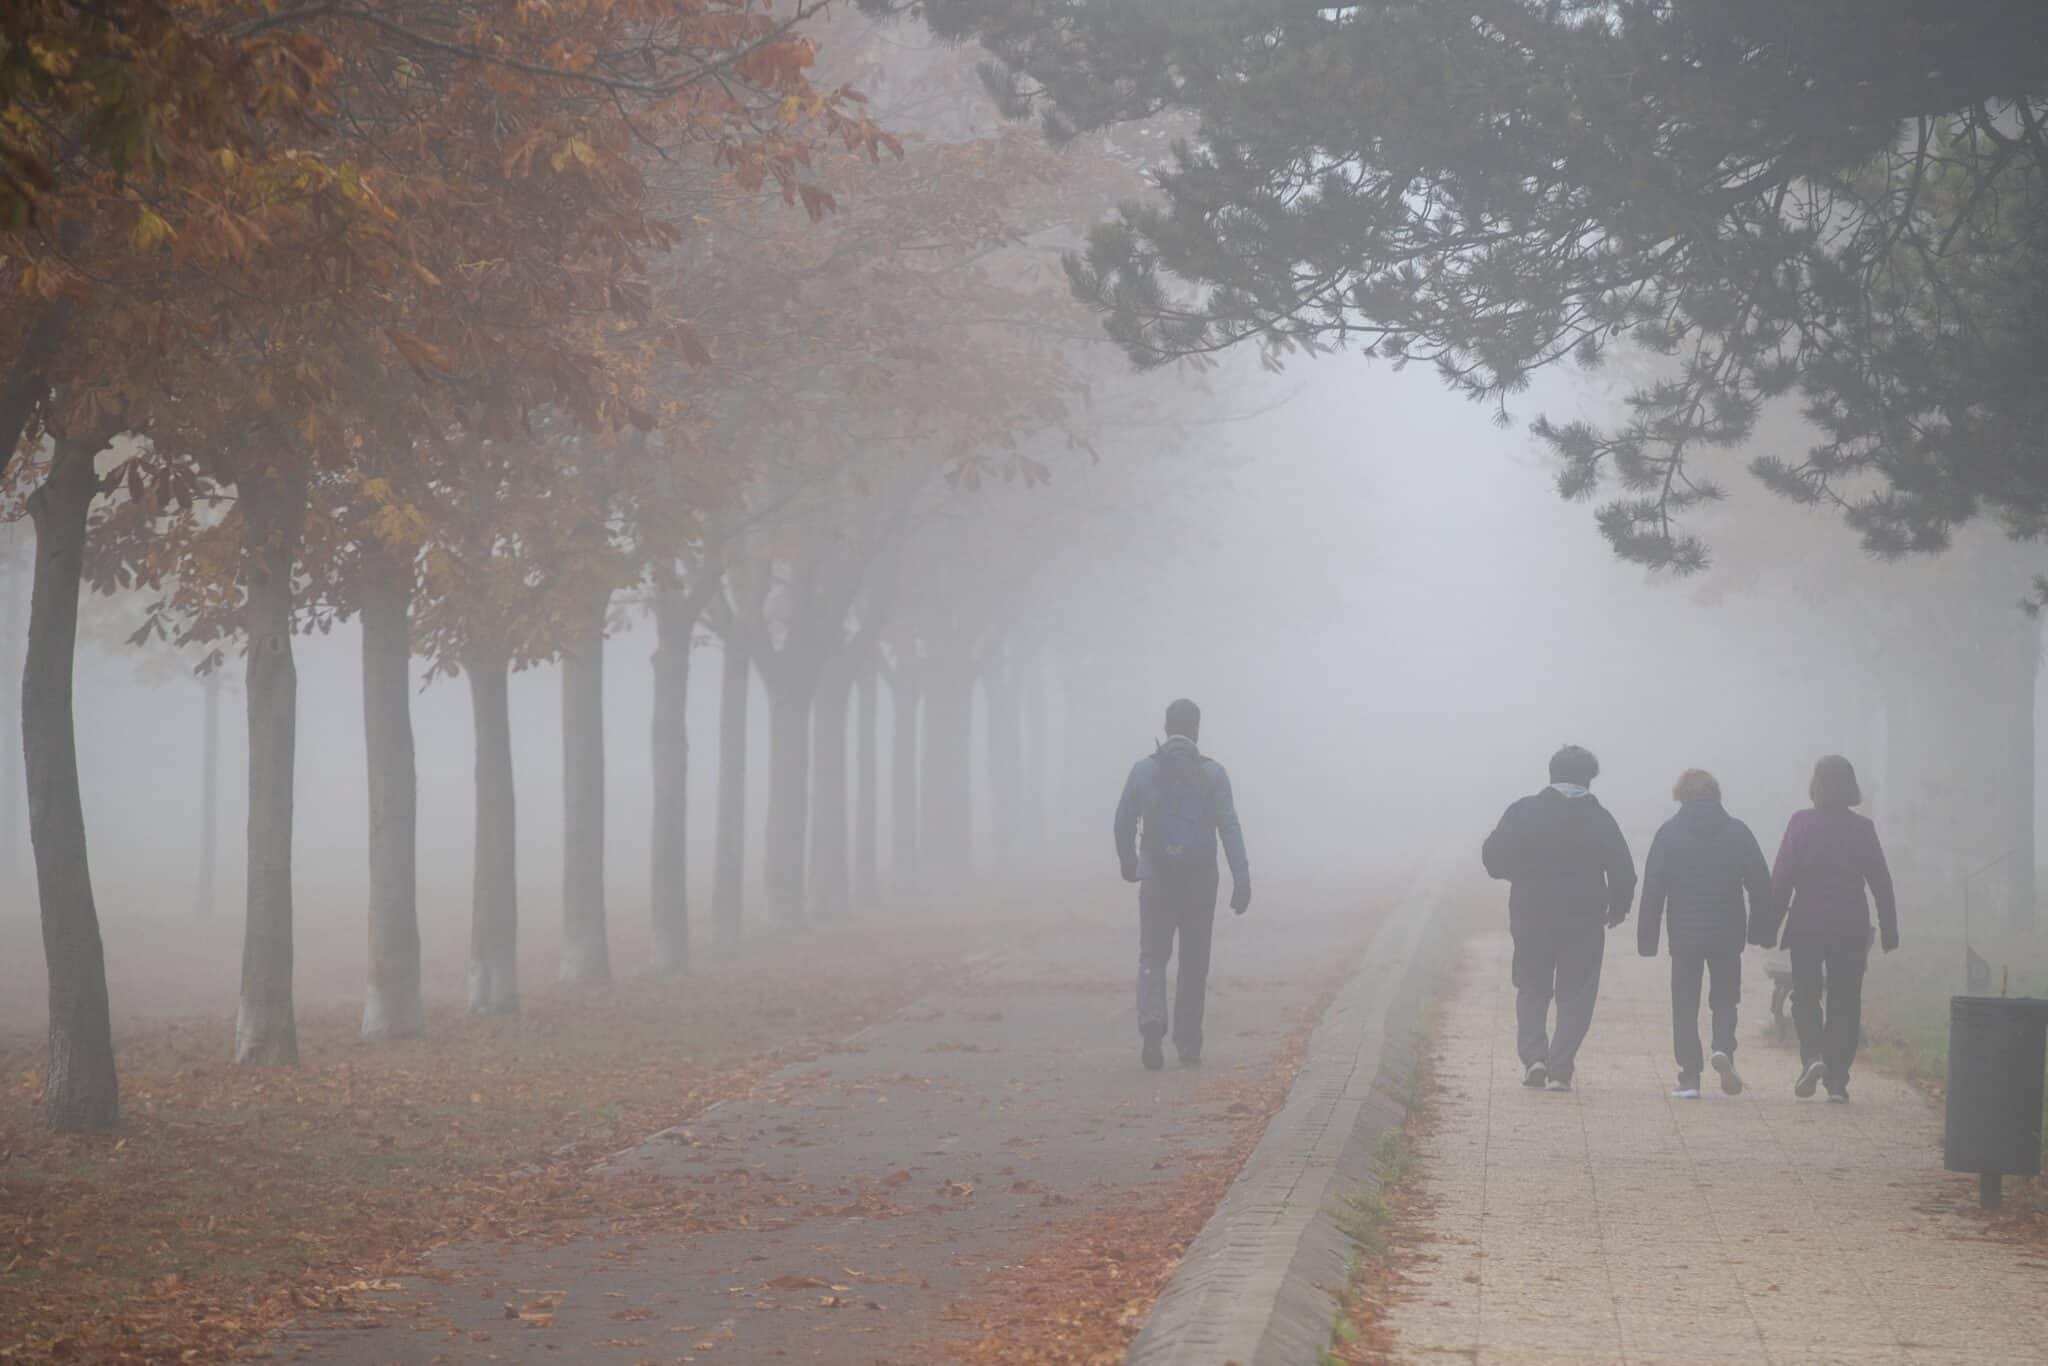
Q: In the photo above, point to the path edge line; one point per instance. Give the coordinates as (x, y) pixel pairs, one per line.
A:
(1261, 1283)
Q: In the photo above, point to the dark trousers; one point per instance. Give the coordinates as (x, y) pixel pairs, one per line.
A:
(1724, 994)
(1827, 1002)
(1561, 963)
(1163, 912)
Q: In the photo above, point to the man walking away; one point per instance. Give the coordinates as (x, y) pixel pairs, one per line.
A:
(1569, 870)
(1700, 866)
(1183, 800)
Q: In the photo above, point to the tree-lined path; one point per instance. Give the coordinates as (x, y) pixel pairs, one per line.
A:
(988, 1176)
(1614, 1225)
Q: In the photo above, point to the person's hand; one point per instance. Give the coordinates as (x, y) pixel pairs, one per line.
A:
(1891, 943)
(1240, 897)
(1614, 919)
(1645, 951)
(1130, 872)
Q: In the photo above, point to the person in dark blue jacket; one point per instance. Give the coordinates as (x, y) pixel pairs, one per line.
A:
(1182, 800)
(1701, 866)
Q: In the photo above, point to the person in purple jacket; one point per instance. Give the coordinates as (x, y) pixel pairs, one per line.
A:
(1829, 858)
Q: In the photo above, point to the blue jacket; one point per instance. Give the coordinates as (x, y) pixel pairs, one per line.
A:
(1139, 791)
(1701, 865)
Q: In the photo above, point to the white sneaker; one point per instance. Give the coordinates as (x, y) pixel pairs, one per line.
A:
(1730, 1082)
(1809, 1079)
(1534, 1075)
(1686, 1093)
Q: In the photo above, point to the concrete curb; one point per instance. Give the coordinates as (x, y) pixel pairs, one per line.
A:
(1260, 1284)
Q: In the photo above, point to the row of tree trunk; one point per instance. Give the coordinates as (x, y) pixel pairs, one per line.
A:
(819, 857)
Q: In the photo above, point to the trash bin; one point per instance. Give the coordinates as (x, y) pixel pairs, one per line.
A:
(1997, 1051)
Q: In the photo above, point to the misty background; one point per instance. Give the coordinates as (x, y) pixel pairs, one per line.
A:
(1385, 612)
(1369, 584)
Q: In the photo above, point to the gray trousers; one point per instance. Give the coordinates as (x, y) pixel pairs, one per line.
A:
(1163, 913)
(1561, 963)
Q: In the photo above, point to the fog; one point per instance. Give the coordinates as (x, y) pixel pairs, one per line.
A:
(1369, 584)
(595, 594)
(1386, 613)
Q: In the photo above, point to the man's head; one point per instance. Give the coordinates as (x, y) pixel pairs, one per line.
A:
(1184, 718)
(1574, 765)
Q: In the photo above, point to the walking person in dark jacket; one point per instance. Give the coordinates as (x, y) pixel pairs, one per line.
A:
(1829, 858)
(1700, 866)
(1569, 871)
(1183, 800)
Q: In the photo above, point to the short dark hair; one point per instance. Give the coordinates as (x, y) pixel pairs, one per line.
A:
(1834, 783)
(1183, 718)
(1574, 764)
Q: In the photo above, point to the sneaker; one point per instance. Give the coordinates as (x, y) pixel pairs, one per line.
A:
(1838, 1095)
(1686, 1093)
(1731, 1084)
(1534, 1075)
(1809, 1079)
(1559, 1084)
(1190, 1057)
(1153, 1056)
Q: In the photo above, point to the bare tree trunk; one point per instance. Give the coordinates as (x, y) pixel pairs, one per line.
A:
(265, 1030)
(728, 890)
(828, 879)
(789, 747)
(586, 958)
(80, 1091)
(12, 781)
(948, 837)
(391, 1002)
(205, 896)
(1083, 742)
(2019, 806)
(668, 891)
(903, 756)
(867, 815)
(494, 905)
(1032, 788)
(1005, 760)
(28, 377)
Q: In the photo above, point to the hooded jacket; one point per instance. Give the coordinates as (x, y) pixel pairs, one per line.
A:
(1140, 790)
(1565, 860)
(1830, 855)
(1699, 869)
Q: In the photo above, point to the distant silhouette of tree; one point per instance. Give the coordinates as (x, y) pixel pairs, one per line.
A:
(1840, 198)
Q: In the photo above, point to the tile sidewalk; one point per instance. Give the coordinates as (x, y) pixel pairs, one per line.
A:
(1613, 1224)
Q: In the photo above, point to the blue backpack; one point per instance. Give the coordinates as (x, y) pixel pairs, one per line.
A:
(1181, 820)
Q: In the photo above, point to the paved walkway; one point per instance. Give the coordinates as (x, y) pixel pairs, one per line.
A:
(1615, 1225)
(877, 1192)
